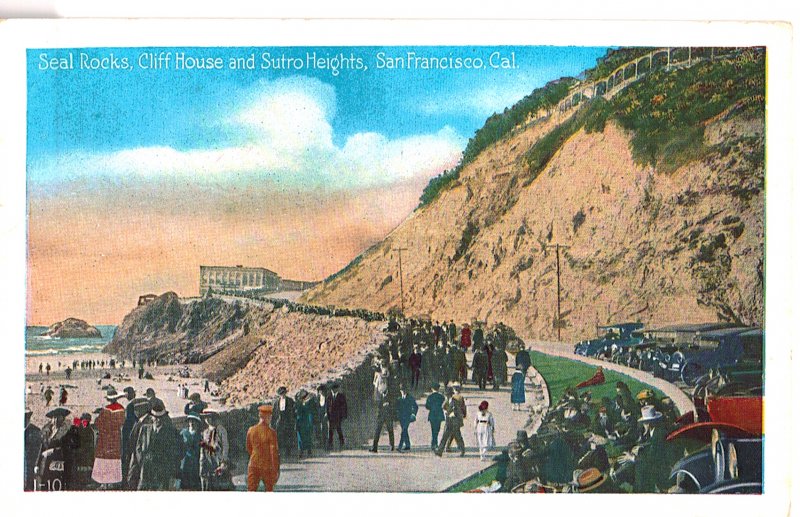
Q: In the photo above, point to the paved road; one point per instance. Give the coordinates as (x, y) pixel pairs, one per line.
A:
(682, 401)
(417, 470)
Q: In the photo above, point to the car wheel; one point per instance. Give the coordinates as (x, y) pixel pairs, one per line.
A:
(691, 372)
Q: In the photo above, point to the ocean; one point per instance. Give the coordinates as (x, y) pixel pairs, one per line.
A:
(38, 345)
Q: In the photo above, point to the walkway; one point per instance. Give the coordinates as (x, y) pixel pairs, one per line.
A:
(417, 470)
(682, 401)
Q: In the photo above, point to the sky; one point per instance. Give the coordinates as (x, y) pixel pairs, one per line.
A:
(144, 163)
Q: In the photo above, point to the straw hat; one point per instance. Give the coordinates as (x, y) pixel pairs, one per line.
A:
(590, 479)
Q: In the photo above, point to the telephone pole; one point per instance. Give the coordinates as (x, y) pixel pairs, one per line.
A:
(402, 294)
(558, 322)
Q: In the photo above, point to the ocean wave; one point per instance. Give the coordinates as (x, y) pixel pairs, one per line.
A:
(65, 350)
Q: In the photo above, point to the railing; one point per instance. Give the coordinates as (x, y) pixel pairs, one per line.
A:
(666, 58)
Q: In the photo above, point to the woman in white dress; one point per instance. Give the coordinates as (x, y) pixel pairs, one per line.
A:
(484, 429)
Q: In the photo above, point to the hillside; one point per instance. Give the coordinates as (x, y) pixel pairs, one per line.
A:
(657, 191)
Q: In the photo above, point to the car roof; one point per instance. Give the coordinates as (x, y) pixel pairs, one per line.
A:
(721, 333)
(692, 327)
(621, 325)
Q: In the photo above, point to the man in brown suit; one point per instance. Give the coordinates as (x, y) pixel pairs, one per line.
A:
(262, 446)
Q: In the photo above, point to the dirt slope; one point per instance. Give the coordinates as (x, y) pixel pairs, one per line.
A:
(684, 246)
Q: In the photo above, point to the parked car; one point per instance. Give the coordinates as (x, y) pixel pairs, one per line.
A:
(621, 334)
(731, 463)
(712, 349)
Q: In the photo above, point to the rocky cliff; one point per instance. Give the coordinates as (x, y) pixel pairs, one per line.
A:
(72, 328)
(657, 192)
(248, 347)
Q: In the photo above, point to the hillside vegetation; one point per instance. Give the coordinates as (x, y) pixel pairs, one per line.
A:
(657, 191)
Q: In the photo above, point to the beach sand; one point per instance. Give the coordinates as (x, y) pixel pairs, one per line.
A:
(85, 394)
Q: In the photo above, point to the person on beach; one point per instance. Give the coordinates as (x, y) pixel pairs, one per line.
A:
(190, 454)
(40, 367)
(53, 433)
(48, 396)
(62, 396)
(434, 404)
(406, 414)
(47, 369)
(484, 429)
(107, 468)
(262, 446)
(79, 452)
(517, 389)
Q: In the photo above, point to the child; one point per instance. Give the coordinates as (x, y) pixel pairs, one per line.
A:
(484, 429)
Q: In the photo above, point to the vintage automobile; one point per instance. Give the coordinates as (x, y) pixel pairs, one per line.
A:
(621, 334)
(732, 463)
(711, 349)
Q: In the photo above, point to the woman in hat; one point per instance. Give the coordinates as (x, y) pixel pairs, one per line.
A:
(484, 429)
(517, 389)
(107, 468)
(304, 415)
(190, 461)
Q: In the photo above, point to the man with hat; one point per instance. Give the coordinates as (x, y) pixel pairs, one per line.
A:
(141, 408)
(499, 364)
(434, 404)
(406, 414)
(283, 421)
(156, 457)
(337, 413)
(190, 458)
(262, 446)
(321, 403)
(33, 447)
(384, 416)
(454, 414)
(652, 457)
(150, 394)
(304, 416)
(523, 359)
(107, 468)
(53, 433)
(480, 367)
(195, 405)
(127, 427)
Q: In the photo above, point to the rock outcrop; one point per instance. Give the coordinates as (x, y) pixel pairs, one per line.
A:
(72, 328)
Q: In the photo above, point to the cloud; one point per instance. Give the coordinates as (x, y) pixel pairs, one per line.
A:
(283, 134)
(482, 101)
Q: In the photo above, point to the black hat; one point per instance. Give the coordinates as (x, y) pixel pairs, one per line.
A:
(150, 392)
(56, 412)
(158, 408)
(282, 390)
(334, 385)
(129, 390)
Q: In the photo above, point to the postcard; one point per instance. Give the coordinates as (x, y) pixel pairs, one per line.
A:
(311, 257)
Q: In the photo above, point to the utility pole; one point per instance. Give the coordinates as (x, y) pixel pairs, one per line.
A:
(558, 322)
(402, 294)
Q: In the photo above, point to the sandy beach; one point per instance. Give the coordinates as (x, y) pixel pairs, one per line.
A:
(84, 388)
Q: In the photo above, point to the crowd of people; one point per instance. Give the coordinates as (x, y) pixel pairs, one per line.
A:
(583, 445)
(611, 445)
